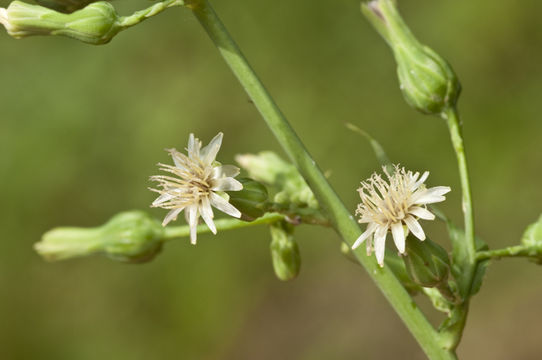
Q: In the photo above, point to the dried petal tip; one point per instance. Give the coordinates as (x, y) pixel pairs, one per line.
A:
(197, 184)
(395, 205)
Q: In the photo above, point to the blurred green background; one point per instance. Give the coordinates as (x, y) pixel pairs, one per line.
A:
(82, 128)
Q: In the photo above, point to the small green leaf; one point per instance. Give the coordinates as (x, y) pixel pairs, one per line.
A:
(377, 148)
(460, 260)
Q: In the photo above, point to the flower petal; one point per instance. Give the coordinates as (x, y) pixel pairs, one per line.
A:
(207, 214)
(432, 195)
(227, 184)
(193, 222)
(414, 227)
(193, 147)
(367, 233)
(421, 181)
(380, 243)
(422, 213)
(162, 199)
(398, 236)
(225, 171)
(172, 215)
(208, 153)
(224, 206)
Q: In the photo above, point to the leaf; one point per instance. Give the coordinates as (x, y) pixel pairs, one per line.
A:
(377, 148)
(460, 260)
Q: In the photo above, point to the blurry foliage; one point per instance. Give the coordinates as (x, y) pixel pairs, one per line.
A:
(82, 128)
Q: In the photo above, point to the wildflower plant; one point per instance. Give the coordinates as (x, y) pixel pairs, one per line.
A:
(283, 195)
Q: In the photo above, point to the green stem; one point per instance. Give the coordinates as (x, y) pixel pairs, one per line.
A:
(174, 232)
(469, 265)
(341, 219)
(139, 16)
(512, 251)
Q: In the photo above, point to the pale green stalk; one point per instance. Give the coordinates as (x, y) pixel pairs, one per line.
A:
(512, 251)
(469, 265)
(341, 219)
(173, 232)
(139, 16)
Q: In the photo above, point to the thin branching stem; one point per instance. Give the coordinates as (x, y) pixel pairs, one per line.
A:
(341, 219)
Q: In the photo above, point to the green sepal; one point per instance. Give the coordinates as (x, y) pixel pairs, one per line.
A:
(426, 262)
(251, 201)
(284, 251)
(396, 264)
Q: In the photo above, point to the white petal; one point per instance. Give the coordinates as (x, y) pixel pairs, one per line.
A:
(368, 232)
(193, 222)
(380, 243)
(193, 147)
(208, 153)
(422, 213)
(177, 159)
(162, 199)
(207, 214)
(224, 206)
(225, 171)
(432, 195)
(421, 181)
(171, 215)
(227, 184)
(414, 227)
(398, 236)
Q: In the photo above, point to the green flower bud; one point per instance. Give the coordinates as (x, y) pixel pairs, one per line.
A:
(131, 236)
(284, 251)
(426, 262)
(288, 185)
(397, 267)
(251, 200)
(532, 241)
(427, 81)
(96, 24)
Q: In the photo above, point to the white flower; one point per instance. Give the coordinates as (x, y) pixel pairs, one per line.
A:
(200, 183)
(387, 205)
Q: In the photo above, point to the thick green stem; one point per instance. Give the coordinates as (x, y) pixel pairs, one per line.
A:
(341, 219)
(173, 232)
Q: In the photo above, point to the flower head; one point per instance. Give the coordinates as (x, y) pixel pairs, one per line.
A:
(388, 205)
(199, 183)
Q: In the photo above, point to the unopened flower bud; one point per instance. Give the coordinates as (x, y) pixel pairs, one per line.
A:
(96, 24)
(131, 236)
(251, 200)
(426, 262)
(284, 251)
(427, 81)
(532, 241)
(288, 185)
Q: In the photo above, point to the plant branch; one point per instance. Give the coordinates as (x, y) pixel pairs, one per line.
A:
(341, 219)
(173, 232)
